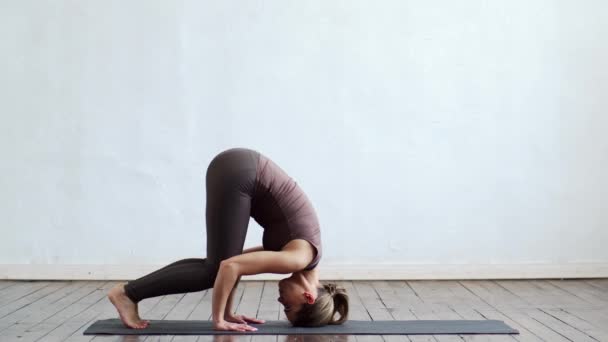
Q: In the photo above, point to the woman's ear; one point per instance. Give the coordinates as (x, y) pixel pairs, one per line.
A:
(310, 299)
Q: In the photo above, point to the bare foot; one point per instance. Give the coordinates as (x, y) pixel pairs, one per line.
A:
(127, 310)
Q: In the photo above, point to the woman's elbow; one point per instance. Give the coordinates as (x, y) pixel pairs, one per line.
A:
(229, 266)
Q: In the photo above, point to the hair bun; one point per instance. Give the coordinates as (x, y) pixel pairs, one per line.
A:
(331, 288)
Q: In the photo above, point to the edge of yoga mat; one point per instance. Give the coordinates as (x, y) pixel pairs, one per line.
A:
(114, 326)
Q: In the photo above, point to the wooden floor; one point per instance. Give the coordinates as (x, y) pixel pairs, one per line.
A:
(542, 310)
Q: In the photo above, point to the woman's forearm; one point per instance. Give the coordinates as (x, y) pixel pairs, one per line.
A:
(228, 309)
(231, 296)
(226, 278)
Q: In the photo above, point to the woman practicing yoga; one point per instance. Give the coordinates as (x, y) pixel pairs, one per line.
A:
(243, 183)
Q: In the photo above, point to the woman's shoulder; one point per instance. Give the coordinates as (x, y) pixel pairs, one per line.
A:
(312, 248)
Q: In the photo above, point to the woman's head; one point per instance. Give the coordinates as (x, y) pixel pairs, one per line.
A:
(309, 304)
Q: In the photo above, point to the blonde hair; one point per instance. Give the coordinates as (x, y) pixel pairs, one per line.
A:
(331, 299)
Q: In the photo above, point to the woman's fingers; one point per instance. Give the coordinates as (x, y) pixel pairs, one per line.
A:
(253, 320)
(235, 319)
(245, 327)
(244, 319)
(225, 325)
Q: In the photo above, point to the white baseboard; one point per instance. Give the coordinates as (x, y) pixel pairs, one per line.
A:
(328, 272)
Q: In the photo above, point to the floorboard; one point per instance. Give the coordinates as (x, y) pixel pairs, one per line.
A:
(542, 310)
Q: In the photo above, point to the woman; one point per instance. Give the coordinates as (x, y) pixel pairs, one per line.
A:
(242, 183)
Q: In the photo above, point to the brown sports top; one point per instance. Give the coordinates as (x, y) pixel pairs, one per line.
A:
(284, 211)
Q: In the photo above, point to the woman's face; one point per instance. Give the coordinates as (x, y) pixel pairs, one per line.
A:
(292, 294)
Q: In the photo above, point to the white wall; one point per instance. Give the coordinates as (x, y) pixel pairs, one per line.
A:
(427, 133)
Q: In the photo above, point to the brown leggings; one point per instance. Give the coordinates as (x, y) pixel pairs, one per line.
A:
(230, 182)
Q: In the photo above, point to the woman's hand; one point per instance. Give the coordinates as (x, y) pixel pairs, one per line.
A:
(224, 325)
(234, 318)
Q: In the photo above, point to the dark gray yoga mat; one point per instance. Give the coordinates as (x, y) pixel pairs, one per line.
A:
(351, 327)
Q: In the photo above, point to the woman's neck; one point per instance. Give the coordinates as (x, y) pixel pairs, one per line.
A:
(311, 277)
